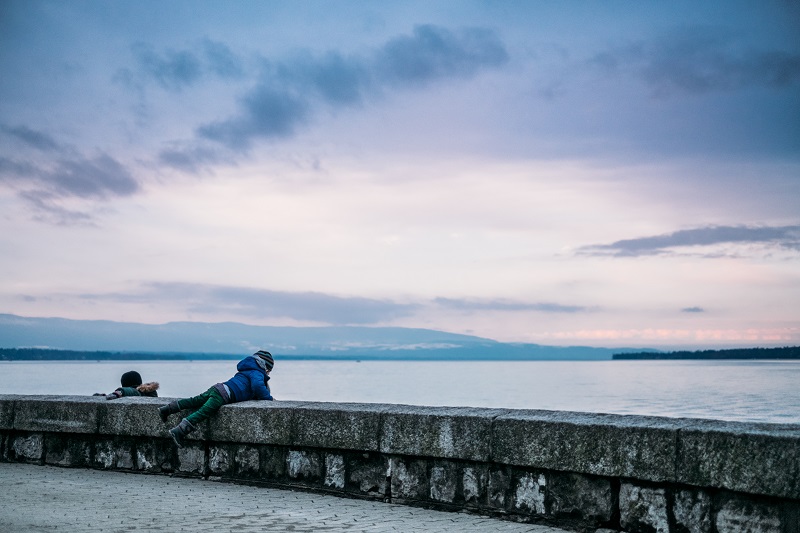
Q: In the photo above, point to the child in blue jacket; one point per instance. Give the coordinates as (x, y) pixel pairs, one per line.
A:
(249, 383)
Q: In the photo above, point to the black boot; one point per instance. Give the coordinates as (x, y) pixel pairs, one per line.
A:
(180, 431)
(166, 410)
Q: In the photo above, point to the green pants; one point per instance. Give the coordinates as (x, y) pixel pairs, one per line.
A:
(208, 402)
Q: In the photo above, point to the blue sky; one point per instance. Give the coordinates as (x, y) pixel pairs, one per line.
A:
(595, 173)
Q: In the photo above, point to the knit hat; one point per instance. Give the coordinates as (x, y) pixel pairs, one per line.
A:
(266, 357)
(131, 379)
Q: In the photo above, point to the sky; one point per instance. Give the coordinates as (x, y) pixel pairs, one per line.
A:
(553, 172)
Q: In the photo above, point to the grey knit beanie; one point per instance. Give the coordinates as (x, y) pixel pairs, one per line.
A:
(266, 357)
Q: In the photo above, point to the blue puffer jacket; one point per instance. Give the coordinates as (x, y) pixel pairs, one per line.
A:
(250, 382)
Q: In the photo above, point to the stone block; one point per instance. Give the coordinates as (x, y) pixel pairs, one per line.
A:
(256, 422)
(65, 414)
(7, 402)
(304, 465)
(499, 488)
(474, 480)
(133, 416)
(529, 493)
(444, 481)
(246, 461)
(597, 444)
(589, 499)
(192, 459)
(367, 474)
(116, 453)
(155, 455)
(409, 479)
(643, 509)
(65, 451)
(753, 458)
(692, 511)
(273, 463)
(29, 448)
(446, 432)
(737, 515)
(339, 426)
(334, 471)
(220, 460)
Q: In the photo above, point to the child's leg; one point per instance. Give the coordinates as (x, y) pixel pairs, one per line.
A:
(194, 402)
(209, 402)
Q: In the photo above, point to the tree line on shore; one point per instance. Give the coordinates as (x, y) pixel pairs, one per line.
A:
(786, 352)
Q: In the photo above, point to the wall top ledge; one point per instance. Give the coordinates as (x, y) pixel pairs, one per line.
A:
(498, 416)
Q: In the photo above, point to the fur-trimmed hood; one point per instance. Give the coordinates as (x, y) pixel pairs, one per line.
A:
(148, 388)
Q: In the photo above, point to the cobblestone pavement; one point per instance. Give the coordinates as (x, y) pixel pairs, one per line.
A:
(45, 498)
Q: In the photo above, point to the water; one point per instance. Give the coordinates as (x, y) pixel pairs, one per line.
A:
(753, 391)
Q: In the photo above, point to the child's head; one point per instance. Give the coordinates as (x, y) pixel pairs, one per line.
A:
(131, 379)
(266, 357)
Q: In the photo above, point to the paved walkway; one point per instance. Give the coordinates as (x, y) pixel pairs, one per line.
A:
(46, 498)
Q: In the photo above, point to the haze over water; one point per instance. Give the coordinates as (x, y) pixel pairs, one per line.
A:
(751, 391)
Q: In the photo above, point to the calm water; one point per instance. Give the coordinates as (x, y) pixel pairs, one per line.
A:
(757, 391)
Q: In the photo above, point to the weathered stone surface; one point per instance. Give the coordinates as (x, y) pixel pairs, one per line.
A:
(192, 459)
(305, 465)
(63, 451)
(220, 460)
(114, 453)
(692, 511)
(135, 416)
(754, 458)
(273, 463)
(368, 474)
(599, 444)
(68, 414)
(27, 447)
(155, 455)
(735, 516)
(257, 422)
(529, 493)
(334, 471)
(337, 426)
(584, 497)
(474, 481)
(643, 509)
(409, 478)
(449, 432)
(444, 481)
(499, 483)
(7, 410)
(246, 461)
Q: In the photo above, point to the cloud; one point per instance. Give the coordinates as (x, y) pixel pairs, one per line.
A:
(432, 53)
(701, 59)
(262, 303)
(189, 159)
(176, 70)
(47, 209)
(100, 177)
(506, 305)
(36, 139)
(44, 188)
(787, 237)
(173, 70)
(266, 113)
(221, 61)
(291, 90)
(693, 310)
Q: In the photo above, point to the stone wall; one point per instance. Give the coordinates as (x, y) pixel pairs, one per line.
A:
(574, 470)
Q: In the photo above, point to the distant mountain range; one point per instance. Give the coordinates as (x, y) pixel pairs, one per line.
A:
(230, 339)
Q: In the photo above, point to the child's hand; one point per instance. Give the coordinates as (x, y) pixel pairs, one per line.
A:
(114, 395)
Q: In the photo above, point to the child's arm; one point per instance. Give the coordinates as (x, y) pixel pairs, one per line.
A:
(116, 394)
(260, 388)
